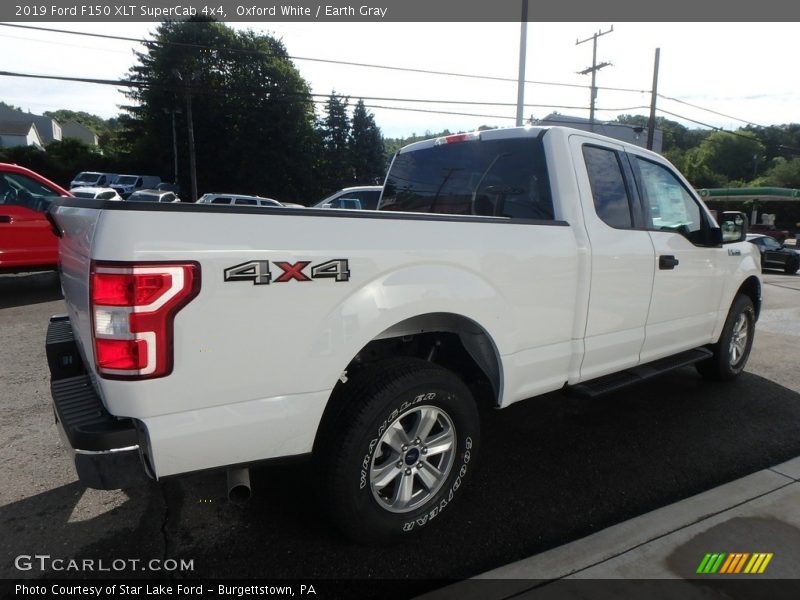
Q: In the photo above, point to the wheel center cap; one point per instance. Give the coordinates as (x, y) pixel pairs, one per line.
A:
(412, 456)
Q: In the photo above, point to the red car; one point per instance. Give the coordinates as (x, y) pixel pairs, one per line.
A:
(27, 242)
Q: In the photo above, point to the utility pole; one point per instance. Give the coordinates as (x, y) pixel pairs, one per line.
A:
(523, 39)
(173, 112)
(651, 122)
(187, 82)
(593, 70)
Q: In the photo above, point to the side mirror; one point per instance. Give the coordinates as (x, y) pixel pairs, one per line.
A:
(734, 227)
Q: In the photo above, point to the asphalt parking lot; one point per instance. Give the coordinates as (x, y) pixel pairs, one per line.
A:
(552, 470)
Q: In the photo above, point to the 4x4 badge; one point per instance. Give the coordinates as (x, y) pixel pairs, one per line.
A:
(258, 271)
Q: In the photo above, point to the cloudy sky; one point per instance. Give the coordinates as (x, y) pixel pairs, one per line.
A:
(733, 73)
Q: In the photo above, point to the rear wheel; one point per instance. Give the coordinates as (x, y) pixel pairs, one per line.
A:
(792, 266)
(399, 450)
(733, 348)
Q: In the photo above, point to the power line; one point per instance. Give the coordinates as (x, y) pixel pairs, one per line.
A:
(205, 90)
(710, 110)
(313, 59)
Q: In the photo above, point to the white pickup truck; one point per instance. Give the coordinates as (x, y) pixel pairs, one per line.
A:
(534, 259)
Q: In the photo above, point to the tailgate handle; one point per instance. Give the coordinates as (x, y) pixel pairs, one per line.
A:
(667, 262)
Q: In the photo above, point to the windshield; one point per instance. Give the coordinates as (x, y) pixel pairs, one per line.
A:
(126, 179)
(499, 178)
(83, 194)
(87, 177)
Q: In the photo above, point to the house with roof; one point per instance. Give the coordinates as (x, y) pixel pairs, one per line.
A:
(73, 129)
(19, 133)
(49, 129)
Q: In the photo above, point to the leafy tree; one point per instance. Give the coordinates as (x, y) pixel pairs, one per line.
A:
(783, 173)
(252, 116)
(367, 154)
(729, 156)
(334, 128)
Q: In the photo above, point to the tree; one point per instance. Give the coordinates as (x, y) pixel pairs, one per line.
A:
(783, 173)
(334, 128)
(730, 156)
(367, 154)
(252, 115)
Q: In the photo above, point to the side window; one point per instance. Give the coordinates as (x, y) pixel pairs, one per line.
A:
(20, 190)
(221, 200)
(609, 192)
(672, 207)
(246, 201)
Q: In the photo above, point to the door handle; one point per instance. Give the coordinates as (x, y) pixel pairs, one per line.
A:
(5, 219)
(667, 262)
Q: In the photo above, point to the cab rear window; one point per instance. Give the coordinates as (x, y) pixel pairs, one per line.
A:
(493, 178)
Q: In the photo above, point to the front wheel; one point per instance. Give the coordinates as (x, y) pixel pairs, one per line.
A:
(731, 352)
(399, 450)
(792, 267)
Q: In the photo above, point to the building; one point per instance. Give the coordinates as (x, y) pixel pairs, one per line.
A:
(73, 129)
(620, 131)
(19, 133)
(49, 130)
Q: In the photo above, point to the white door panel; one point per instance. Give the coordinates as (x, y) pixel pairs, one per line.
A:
(622, 265)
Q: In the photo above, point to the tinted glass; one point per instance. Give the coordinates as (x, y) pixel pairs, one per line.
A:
(247, 201)
(503, 178)
(609, 192)
(221, 201)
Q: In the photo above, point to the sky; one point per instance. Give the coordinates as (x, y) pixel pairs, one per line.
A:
(734, 73)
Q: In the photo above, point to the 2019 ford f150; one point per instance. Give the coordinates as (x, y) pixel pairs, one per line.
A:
(532, 259)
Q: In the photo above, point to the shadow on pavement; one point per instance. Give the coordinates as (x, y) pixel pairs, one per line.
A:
(551, 470)
(29, 288)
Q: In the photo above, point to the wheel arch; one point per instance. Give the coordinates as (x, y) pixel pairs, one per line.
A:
(751, 287)
(450, 340)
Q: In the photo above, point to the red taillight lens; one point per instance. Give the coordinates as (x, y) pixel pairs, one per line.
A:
(133, 308)
(121, 354)
(458, 138)
(115, 289)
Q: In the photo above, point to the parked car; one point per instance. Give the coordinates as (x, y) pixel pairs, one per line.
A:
(769, 230)
(92, 179)
(153, 196)
(237, 199)
(127, 184)
(359, 197)
(27, 241)
(773, 255)
(98, 193)
(165, 186)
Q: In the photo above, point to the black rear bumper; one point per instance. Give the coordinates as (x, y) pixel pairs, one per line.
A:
(105, 449)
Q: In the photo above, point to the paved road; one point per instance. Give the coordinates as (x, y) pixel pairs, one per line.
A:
(552, 469)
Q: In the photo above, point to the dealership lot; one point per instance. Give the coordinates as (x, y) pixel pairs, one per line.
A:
(553, 469)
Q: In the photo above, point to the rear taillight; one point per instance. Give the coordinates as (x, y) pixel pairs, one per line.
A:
(133, 308)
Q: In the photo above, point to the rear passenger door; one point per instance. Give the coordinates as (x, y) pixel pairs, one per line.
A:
(622, 258)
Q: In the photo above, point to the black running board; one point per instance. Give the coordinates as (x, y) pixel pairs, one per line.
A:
(617, 381)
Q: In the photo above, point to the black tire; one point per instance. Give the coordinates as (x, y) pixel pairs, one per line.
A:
(791, 267)
(733, 348)
(373, 487)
